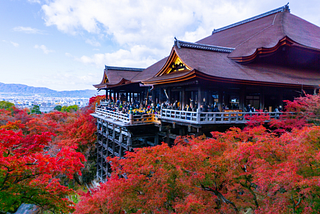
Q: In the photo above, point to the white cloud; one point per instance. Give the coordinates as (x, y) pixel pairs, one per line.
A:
(43, 48)
(15, 44)
(149, 25)
(70, 80)
(12, 43)
(143, 30)
(144, 22)
(93, 42)
(28, 30)
(34, 1)
(136, 56)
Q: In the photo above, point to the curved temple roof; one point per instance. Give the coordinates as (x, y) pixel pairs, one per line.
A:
(114, 76)
(220, 56)
(265, 31)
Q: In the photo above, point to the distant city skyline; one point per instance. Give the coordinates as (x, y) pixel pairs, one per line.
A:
(64, 45)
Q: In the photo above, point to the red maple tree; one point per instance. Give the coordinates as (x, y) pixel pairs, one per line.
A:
(252, 170)
(40, 154)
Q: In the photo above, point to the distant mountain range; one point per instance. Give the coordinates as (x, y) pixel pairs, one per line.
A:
(24, 90)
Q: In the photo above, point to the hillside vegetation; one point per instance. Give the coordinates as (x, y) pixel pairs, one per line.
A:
(264, 168)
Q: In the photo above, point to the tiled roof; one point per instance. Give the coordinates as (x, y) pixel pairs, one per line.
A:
(280, 9)
(117, 75)
(123, 68)
(183, 44)
(217, 55)
(150, 71)
(265, 31)
(218, 65)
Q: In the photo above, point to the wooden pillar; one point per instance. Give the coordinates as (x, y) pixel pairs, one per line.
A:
(113, 137)
(210, 98)
(167, 136)
(183, 98)
(262, 98)
(281, 98)
(141, 96)
(153, 92)
(199, 97)
(242, 98)
(220, 99)
(156, 139)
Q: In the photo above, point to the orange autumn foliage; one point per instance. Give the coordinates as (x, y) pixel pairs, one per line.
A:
(39, 153)
(254, 170)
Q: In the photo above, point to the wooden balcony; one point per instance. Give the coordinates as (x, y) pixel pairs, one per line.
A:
(188, 117)
(123, 119)
(200, 118)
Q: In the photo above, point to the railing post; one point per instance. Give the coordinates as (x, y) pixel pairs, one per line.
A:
(130, 118)
(198, 115)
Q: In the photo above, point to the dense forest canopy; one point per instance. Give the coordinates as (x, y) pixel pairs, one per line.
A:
(43, 156)
(264, 168)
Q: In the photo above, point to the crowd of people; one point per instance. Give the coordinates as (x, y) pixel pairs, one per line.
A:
(130, 107)
(137, 107)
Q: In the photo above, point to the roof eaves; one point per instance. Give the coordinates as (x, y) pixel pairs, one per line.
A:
(123, 68)
(182, 44)
(280, 9)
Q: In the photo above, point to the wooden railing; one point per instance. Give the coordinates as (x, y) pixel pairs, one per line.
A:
(184, 116)
(113, 115)
(212, 117)
(127, 118)
(181, 116)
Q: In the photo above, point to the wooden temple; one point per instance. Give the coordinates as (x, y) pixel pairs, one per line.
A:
(260, 61)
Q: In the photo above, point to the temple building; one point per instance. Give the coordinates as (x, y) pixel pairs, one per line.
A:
(215, 82)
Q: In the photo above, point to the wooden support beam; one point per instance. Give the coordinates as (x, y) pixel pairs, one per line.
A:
(199, 97)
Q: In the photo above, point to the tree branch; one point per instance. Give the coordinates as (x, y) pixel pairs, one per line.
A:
(220, 196)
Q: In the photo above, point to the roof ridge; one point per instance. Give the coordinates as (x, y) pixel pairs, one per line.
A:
(258, 32)
(124, 68)
(200, 46)
(277, 10)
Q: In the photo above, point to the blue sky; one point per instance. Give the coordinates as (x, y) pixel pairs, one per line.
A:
(64, 44)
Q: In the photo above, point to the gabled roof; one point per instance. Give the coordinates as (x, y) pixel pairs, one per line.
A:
(265, 31)
(220, 56)
(183, 44)
(216, 66)
(114, 76)
(151, 71)
(277, 10)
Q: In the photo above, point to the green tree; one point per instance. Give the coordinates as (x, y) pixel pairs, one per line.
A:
(35, 110)
(6, 105)
(58, 108)
(72, 108)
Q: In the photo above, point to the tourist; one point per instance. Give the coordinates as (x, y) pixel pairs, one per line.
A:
(215, 109)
